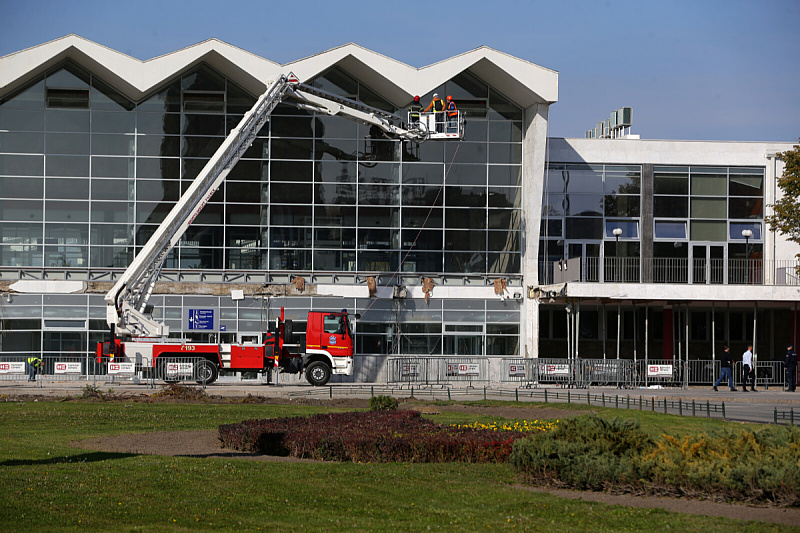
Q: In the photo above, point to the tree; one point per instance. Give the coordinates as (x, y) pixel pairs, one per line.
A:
(786, 219)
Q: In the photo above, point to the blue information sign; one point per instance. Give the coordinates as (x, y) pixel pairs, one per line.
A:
(202, 319)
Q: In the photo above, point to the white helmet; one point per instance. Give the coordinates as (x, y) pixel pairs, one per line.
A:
(436, 95)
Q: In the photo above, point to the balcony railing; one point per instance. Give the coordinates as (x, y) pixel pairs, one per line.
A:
(677, 270)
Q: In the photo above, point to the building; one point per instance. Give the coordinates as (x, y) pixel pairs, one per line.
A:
(96, 146)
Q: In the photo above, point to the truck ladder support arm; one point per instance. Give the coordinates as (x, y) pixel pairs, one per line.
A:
(127, 300)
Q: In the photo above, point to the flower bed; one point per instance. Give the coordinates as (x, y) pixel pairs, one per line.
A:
(374, 436)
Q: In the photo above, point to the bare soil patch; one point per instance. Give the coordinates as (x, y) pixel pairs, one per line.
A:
(177, 444)
(776, 515)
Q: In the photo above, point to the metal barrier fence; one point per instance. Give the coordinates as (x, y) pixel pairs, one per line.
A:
(438, 370)
(703, 371)
(517, 370)
(665, 372)
(768, 373)
(607, 372)
(178, 369)
(14, 368)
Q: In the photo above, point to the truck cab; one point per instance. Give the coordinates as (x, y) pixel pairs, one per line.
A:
(329, 346)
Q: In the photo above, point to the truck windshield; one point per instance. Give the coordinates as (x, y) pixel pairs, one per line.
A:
(333, 324)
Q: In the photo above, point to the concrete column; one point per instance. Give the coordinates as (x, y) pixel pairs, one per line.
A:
(646, 225)
(534, 150)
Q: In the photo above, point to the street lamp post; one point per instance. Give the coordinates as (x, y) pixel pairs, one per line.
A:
(747, 233)
(617, 232)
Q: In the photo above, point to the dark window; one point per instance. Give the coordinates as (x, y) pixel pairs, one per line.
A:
(584, 228)
(68, 98)
(204, 102)
(670, 206)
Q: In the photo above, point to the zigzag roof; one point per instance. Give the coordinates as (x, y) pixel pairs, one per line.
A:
(523, 82)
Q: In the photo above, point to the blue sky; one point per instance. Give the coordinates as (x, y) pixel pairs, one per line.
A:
(702, 69)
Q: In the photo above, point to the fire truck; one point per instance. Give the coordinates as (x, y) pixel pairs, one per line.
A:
(135, 336)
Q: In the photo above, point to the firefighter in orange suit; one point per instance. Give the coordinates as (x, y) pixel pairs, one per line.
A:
(452, 115)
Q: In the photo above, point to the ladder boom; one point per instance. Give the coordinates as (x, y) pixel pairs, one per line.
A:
(127, 300)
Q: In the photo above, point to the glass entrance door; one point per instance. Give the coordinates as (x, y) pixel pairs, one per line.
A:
(708, 263)
(463, 339)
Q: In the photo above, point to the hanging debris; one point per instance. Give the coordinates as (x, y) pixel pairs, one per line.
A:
(500, 286)
(299, 283)
(373, 288)
(427, 287)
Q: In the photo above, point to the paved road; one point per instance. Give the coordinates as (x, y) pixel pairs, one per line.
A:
(751, 407)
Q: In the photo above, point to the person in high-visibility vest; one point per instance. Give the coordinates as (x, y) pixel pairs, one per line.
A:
(33, 363)
(414, 111)
(438, 111)
(452, 115)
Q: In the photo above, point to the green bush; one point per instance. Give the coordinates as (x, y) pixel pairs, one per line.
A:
(739, 464)
(382, 403)
(583, 453)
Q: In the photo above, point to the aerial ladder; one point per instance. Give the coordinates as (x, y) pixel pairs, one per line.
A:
(128, 313)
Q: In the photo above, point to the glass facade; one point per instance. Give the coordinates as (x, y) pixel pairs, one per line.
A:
(86, 176)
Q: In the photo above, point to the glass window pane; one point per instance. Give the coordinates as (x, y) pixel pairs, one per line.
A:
(628, 183)
(709, 208)
(630, 229)
(708, 230)
(66, 211)
(670, 184)
(112, 189)
(504, 241)
(250, 171)
(670, 230)
(16, 142)
(428, 196)
(505, 175)
(466, 218)
(21, 210)
(582, 179)
(378, 173)
(504, 197)
(335, 149)
(501, 108)
(468, 153)
(465, 196)
(379, 195)
(20, 233)
(66, 233)
(292, 126)
(333, 216)
(379, 217)
(418, 173)
(746, 207)
(510, 153)
(103, 122)
(335, 127)
(670, 206)
(111, 212)
(503, 131)
(505, 219)
(112, 234)
(22, 165)
(464, 262)
(584, 228)
(709, 185)
(746, 185)
(203, 124)
(61, 188)
(159, 123)
(66, 143)
(21, 187)
(200, 146)
(292, 148)
(583, 205)
(418, 218)
(466, 175)
(113, 144)
(334, 193)
(738, 227)
(123, 167)
(335, 238)
(290, 193)
(58, 165)
(622, 206)
(67, 120)
(291, 171)
(31, 98)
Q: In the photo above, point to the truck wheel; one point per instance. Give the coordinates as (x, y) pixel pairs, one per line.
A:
(162, 374)
(205, 372)
(318, 373)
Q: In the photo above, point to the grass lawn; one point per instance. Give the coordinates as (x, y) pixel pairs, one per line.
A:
(47, 484)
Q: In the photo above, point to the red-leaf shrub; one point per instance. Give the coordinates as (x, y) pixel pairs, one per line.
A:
(374, 436)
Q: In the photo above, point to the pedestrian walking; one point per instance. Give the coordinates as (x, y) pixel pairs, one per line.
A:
(790, 364)
(748, 370)
(725, 368)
